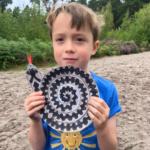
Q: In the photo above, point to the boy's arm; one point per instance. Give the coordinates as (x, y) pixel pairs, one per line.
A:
(105, 128)
(107, 138)
(37, 137)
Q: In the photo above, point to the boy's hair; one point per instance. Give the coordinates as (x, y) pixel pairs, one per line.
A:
(81, 15)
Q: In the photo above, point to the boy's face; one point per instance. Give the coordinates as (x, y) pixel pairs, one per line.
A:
(72, 47)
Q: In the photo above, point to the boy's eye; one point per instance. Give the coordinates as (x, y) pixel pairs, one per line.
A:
(59, 39)
(79, 40)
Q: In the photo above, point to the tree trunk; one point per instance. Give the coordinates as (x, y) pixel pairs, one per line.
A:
(47, 9)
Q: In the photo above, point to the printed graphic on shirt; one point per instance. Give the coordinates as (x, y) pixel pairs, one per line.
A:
(72, 140)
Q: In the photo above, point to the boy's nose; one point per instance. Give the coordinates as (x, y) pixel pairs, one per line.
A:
(69, 47)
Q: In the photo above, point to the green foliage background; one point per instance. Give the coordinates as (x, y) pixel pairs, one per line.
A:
(135, 28)
(30, 23)
(14, 52)
(25, 31)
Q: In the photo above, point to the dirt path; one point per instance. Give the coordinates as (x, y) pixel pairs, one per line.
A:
(130, 74)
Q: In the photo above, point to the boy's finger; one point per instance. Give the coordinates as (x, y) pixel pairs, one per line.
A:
(34, 104)
(36, 94)
(93, 118)
(95, 112)
(36, 109)
(34, 98)
(97, 106)
(99, 100)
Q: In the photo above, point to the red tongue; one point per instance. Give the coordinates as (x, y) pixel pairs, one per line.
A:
(29, 59)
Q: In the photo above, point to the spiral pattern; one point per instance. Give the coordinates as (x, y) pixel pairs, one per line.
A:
(67, 91)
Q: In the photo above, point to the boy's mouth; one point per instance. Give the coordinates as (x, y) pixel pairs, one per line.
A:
(70, 59)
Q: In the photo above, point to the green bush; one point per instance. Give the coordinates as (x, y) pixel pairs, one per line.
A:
(135, 29)
(108, 19)
(106, 50)
(14, 52)
(134, 48)
(29, 23)
(144, 44)
(120, 47)
(98, 53)
(5, 54)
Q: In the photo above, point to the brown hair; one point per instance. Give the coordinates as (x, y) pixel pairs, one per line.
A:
(81, 15)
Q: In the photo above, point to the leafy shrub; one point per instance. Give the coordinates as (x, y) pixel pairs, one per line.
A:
(114, 43)
(135, 28)
(126, 21)
(14, 52)
(133, 47)
(5, 55)
(116, 50)
(106, 50)
(41, 51)
(127, 50)
(118, 46)
(99, 52)
(143, 49)
(29, 23)
(108, 18)
(144, 44)
(19, 50)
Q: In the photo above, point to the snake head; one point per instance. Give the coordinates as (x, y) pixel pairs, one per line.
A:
(32, 72)
(34, 77)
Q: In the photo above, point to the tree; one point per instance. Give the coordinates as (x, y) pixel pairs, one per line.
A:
(82, 2)
(35, 1)
(115, 6)
(94, 5)
(49, 3)
(10, 10)
(126, 21)
(16, 12)
(133, 6)
(4, 3)
(72, 1)
(109, 20)
(138, 28)
(97, 5)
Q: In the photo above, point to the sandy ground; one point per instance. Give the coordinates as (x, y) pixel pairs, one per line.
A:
(131, 75)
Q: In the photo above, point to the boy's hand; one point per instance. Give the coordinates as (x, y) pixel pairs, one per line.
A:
(98, 112)
(34, 102)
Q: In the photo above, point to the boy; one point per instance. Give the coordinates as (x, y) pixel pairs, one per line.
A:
(74, 30)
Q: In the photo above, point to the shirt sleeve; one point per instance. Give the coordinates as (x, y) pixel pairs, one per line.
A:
(114, 103)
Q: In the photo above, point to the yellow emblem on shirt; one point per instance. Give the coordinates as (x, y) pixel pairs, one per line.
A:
(72, 140)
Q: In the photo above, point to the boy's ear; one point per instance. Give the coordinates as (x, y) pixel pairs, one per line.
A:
(95, 47)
